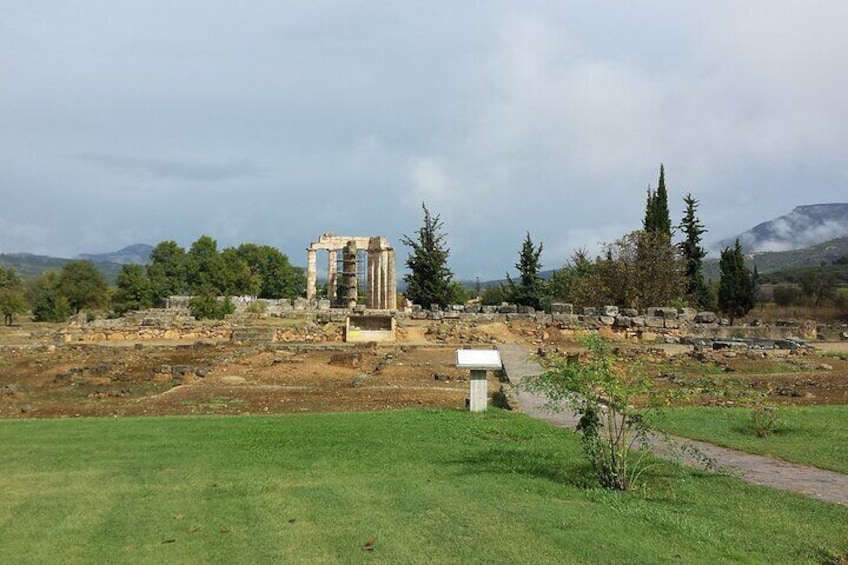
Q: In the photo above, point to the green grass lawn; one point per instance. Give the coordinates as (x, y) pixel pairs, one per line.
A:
(430, 486)
(813, 435)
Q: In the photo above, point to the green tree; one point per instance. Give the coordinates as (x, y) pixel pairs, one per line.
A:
(167, 271)
(818, 285)
(205, 268)
(83, 286)
(693, 255)
(657, 218)
(238, 279)
(277, 277)
(12, 300)
(737, 286)
(571, 282)
(640, 270)
(429, 279)
(529, 289)
(47, 302)
(134, 291)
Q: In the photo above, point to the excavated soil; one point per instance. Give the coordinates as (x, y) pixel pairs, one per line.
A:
(41, 379)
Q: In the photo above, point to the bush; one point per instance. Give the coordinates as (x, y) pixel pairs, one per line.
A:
(765, 420)
(603, 394)
(207, 306)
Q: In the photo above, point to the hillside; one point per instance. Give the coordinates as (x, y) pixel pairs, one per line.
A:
(132, 254)
(28, 265)
(774, 261)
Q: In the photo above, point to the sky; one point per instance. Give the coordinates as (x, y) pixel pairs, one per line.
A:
(276, 121)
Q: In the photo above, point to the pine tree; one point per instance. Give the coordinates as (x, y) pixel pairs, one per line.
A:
(737, 286)
(429, 279)
(528, 290)
(693, 254)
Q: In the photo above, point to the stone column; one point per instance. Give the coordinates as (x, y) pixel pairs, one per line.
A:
(391, 284)
(384, 279)
(332, 267)
(311, 275)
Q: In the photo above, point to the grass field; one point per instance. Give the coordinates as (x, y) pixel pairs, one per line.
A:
(425, 486)
(812, 435)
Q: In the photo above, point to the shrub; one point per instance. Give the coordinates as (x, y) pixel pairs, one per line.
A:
(206, 305)
(603, 394)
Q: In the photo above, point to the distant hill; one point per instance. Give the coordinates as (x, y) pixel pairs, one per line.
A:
(133, 254)
(803, 227)
(28, 265)
(774, 261)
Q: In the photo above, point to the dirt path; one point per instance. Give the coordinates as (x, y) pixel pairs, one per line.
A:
(817, 483)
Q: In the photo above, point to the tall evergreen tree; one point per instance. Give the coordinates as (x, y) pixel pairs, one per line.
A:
(429, 279)
(693, 254)
(657, 218)
(737, 286)
(528, 290)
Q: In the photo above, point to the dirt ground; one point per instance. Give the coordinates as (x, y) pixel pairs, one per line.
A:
(41, 379)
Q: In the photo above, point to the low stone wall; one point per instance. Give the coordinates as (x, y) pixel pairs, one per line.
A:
(142, 333)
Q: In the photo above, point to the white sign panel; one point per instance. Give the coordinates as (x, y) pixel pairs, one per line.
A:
(478, 359)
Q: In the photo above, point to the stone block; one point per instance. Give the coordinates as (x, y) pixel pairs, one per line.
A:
(606, 320)
(623, 322)
(543, 318)
(671, 324)
(686, 314)
(589, 311)
(631, 312)
(526, 310)
(610, 311)
(663, 312)
(508, 309)
(323, 304)
(567, 319)
(706, 318)
(472, 308)
(489, 309)
(301, 303)
(562, 308)
(654, 321)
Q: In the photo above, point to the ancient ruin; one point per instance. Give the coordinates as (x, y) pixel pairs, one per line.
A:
(343, 283)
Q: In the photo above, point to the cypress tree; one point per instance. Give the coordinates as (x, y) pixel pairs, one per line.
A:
(736, 288)
(657, 219)
(693, 254)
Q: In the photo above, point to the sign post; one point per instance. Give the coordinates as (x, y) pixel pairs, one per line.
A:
(478, 361)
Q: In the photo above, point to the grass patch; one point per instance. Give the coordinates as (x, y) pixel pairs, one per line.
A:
(430, 486)
(813, 435)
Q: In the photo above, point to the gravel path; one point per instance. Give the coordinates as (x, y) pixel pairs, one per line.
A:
(817, 483)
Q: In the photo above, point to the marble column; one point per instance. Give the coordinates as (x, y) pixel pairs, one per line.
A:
(311, 275)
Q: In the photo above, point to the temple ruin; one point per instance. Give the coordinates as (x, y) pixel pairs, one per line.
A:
(343, 271)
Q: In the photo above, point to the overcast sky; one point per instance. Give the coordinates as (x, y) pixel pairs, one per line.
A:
(275, 121)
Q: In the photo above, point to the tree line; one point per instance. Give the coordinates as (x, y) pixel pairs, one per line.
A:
(641, 269)
(201, 271)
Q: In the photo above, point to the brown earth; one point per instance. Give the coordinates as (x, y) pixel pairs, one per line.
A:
(39, 378)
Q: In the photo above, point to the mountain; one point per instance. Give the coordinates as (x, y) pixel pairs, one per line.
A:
(138, 254)
(801, 228)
